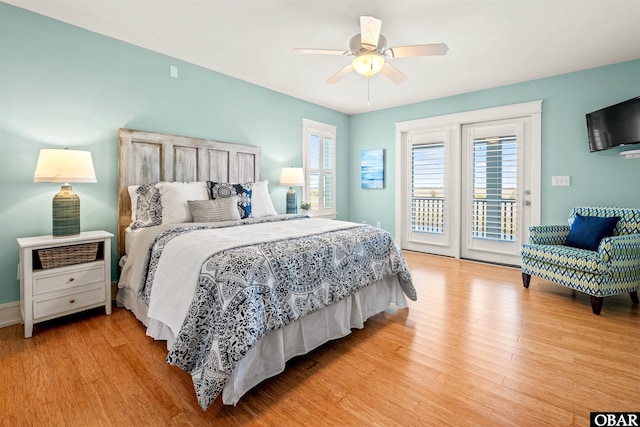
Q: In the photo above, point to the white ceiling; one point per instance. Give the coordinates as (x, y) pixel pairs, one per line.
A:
(491, 42)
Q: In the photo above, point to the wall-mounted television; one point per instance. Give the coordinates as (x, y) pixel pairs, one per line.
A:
(615, 125)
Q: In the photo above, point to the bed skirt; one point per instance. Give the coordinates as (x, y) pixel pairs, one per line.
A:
(270, 354)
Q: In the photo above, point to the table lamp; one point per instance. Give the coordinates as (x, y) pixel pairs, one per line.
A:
(66, 166)
(293, 177)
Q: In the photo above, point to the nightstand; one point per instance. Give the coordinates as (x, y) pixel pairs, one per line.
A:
(63, 275)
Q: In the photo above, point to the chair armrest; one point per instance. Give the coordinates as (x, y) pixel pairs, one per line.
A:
(622, 252)
(548, 234)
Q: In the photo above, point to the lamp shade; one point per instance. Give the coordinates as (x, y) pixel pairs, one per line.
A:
(293, 177)
(62, 165)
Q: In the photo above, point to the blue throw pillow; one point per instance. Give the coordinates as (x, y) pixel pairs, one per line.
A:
(587, 231)
(221, 190)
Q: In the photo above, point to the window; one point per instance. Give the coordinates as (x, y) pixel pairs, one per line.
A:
(494, 186)
(319, 163)
(428, 187)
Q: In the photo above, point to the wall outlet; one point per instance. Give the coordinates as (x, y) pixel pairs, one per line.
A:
(560, 181)
(378, 224)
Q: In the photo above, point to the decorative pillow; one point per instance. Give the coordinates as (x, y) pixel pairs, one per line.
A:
(175, 208)
(261, 203)
(225, 209)
(221, 190)
(133, 196)
(148, 202)
(587, 231)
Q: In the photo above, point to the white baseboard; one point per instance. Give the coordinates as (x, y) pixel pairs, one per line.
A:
(10, 314)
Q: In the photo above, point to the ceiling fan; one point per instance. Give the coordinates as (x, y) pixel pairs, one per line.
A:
(371, 52)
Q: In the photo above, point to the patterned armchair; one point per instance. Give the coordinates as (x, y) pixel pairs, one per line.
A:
(614, 268)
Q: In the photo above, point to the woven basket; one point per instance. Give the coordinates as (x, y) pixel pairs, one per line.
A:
(68, 255)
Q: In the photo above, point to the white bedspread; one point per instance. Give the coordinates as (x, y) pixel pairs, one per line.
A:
(179, 267)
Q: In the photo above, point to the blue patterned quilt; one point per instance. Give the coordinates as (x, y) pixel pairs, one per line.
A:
(246, 292)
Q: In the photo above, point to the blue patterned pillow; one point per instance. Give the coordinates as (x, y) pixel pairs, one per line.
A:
(587, 231)
(148, 207)
(219, 190)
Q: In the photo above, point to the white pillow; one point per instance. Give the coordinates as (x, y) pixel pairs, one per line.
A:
(261, 203)
(175, 208)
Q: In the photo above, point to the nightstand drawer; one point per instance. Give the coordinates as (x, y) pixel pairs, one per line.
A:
(70, 278)
(68, 303)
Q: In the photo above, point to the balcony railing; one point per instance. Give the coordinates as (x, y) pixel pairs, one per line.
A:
(491, 219)
(427, 214)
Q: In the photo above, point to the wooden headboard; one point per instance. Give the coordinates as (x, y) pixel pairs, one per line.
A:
(147, 157)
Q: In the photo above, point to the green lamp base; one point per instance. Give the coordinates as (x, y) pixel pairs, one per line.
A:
(292, 201)
(66, 213)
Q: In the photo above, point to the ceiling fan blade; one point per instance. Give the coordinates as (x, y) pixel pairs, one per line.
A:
(392, 73)
(340, 74)
(321, 51)
(370, 32)
(420, 50)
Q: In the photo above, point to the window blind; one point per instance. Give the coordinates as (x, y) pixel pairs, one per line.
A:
(495, 175)
(428, 188)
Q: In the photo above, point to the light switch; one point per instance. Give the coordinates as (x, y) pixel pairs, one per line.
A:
(173, 71)
(560, 181)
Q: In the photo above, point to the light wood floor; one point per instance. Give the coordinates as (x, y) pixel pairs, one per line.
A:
(476, 349)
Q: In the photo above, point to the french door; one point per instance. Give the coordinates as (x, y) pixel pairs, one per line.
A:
(469, 185)
(432, 192)
(495, 195)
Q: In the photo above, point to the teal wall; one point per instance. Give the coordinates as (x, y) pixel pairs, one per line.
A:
(601, 178)
(61, 86)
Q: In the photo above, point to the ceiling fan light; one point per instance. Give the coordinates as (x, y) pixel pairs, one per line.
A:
(368, 65)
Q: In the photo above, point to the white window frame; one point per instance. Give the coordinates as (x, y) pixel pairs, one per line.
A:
(324, 130)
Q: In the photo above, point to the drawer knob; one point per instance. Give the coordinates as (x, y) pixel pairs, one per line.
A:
(71, 279)
(72, 301)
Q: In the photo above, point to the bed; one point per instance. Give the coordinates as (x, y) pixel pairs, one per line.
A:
(234, 288)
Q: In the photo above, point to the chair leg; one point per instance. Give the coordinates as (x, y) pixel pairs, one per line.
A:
(634, 297)
(526, 278)
(596, 304)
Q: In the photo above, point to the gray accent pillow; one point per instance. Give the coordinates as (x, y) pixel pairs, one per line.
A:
(222, 209)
